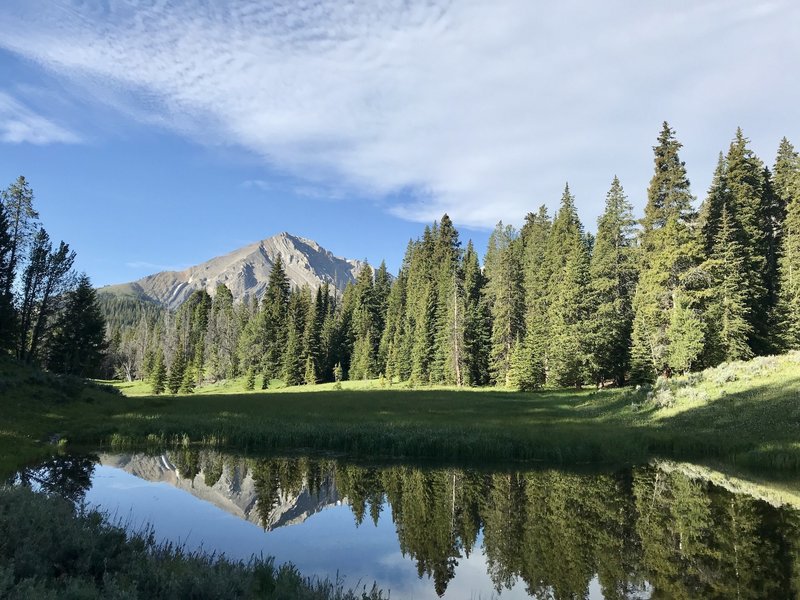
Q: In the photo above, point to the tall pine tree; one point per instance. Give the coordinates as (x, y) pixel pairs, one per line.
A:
(669, 252)
(613, 281)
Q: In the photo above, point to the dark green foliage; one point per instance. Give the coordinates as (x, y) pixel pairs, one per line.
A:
(45, 279)
(7, 315)
(158, 376)
(530, 355)
(568, 308)
(477, 323)
(613, 277)
(727, 309)
(749, 205)
(79, 344)
(506, 299)
(669, 254)
(177, 371)
(787, 185)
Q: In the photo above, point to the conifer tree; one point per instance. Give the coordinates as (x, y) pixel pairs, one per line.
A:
(46, 277)
(669, 251)
(529, 358)
(728, 327)
(477, 324)
(506, 298)
(177, 370)
(711, 211)
(612, 283)
(78, 344)
(7, 315)
(22, 218)
(158, 373)
(273, 322)
(393, 331)
(293, 358)
(567, 350)
(448, 363)
(366, 317)
(310, 376)
(421, 307)
(749, 206)
(685, 334)
(787, 185)
(189, 381)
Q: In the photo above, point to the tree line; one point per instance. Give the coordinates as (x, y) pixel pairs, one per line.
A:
(555, 531)
(49, 315)
(678, 289)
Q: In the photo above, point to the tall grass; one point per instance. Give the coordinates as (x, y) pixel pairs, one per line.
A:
(745, 414)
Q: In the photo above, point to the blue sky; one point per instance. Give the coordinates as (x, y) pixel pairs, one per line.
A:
(161, 133)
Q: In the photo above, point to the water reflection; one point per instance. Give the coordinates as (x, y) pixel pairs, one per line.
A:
(635, 533)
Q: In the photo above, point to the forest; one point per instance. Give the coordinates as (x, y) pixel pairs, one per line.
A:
(677, 290)
(550, 304)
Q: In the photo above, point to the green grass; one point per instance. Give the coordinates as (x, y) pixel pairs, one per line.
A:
(743, 414)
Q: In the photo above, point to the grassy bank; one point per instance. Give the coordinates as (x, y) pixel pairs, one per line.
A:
(746, 414)
(49, 551)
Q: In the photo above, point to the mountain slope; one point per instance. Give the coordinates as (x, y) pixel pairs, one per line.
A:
(245, 272)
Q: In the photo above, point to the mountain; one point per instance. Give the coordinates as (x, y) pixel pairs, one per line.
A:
(234, 492)
(245, 272)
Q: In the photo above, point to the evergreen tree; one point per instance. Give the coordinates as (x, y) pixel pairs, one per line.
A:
(506, 298)
(567, 350)
(530, 355)
(272, 323)
(477, 323)
(613, 280)
(685, 335)
(176, 372)
(190, 377)
(310, 376)
(367, 315)
(392, 338)
(669, 252)
(18, 203)
(158, 377)
(293, 358)
(78, 346)
(728, 326)
(749, 206)
(421, 303)
(711, 211)
(7, 315)
(46, 278)
(448, 363)
(787, 185)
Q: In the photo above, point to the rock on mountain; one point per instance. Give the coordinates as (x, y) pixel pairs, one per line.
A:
(246, 272)
(234, 492)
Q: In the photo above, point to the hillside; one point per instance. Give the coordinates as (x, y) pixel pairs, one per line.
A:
(245, 271)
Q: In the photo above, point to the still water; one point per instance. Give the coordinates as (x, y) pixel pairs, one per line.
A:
(429, 532)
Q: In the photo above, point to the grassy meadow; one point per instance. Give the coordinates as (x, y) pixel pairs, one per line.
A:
(741, 414)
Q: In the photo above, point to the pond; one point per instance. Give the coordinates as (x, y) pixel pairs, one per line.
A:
(430, 531)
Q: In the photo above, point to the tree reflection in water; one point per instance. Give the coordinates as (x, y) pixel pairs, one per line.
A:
(641, 531)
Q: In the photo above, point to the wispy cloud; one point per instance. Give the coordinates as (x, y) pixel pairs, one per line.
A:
(481, 109)
(145, 265)
(19, 124)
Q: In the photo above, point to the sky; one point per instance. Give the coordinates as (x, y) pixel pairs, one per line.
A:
(157, 134)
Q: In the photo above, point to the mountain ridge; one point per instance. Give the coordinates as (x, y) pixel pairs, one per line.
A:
(246, 272)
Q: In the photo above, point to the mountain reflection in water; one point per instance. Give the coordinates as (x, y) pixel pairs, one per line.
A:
(635, 533)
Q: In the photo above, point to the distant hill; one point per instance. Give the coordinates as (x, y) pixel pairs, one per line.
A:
(245, 272)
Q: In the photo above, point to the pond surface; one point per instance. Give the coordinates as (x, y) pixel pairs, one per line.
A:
(428, 532)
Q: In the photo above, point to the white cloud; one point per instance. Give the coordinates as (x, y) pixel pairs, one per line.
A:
(143, 264)
(481, 109)
(19, 124)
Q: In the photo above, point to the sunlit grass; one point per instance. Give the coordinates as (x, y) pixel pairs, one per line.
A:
(747, 414)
